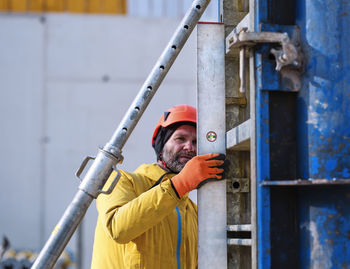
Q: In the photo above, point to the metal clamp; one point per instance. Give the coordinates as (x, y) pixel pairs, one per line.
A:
(113, 184)
(82, 166)
(288, 55)
(114, 152)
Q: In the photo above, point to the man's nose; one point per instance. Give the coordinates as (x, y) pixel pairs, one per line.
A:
(190, 146)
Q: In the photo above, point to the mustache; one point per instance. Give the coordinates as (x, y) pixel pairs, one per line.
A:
(186, 154)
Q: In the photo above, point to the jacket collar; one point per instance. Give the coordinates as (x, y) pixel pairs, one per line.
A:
(152, 171)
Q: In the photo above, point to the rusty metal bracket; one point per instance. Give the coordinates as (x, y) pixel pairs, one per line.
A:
(240, 101)
(287, 55)
(236, 185)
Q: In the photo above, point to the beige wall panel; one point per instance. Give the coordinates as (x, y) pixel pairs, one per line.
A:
(93, 6)
(3, 5)
(54, 5)
(18, 5)
(114, 6)
(35, 5)
(76, 5)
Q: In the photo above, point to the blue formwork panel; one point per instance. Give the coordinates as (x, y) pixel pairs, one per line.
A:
(303, 149)
(324, 225)
(324, 100)
(324, 133)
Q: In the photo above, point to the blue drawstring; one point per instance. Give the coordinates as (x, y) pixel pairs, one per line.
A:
(178, 238)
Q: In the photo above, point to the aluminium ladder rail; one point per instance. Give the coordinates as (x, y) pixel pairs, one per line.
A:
(110, 155)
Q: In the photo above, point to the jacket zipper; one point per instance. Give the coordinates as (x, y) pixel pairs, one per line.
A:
(178, 247)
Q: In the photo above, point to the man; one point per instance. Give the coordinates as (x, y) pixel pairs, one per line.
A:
(148, 221)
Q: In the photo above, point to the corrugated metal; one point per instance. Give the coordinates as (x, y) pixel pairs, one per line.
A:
(54, 5)
(93, 6)
(18, 5)
(3, 4)
(112, 6)
(75, 6)
(137, 8)
(35, 5)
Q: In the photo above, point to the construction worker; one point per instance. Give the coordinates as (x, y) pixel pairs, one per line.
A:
(148, 221)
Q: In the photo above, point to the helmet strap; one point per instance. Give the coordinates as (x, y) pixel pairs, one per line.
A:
(164, 164)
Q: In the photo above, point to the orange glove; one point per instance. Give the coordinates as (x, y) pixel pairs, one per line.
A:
(198, 171)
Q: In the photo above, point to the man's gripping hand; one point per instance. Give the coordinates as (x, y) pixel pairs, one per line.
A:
(198, 171)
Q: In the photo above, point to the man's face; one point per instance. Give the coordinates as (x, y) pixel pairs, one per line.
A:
(180, 148)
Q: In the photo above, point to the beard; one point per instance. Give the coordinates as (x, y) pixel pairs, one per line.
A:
(172, 160)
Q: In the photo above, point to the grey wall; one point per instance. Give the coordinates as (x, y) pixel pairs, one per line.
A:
(169, 8)
(66, 81)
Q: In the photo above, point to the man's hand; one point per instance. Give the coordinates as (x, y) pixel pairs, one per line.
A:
(198, 171)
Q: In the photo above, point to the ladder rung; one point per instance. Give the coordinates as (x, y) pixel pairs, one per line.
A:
(238, 138)
(239, 242)
(239, 228)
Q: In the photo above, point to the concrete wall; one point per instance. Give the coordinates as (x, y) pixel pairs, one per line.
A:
(169, 8)
(66, 81)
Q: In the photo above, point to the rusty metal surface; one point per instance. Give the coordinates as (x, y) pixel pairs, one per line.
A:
(288, 54)
(235, 185)
(238, 210)
(240, 101)
(238, 204)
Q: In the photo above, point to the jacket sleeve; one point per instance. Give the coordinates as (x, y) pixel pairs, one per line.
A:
(125, 216)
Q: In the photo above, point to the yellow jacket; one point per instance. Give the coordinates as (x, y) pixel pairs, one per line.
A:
(140, 226)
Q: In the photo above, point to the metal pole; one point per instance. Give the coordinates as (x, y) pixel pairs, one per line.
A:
(252, 90)
(211, 134)
(242, 70)
(80, 246)
(110, 155)
(253, 157)
(158, 72)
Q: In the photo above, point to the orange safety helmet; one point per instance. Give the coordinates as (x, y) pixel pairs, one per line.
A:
(176, 114)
